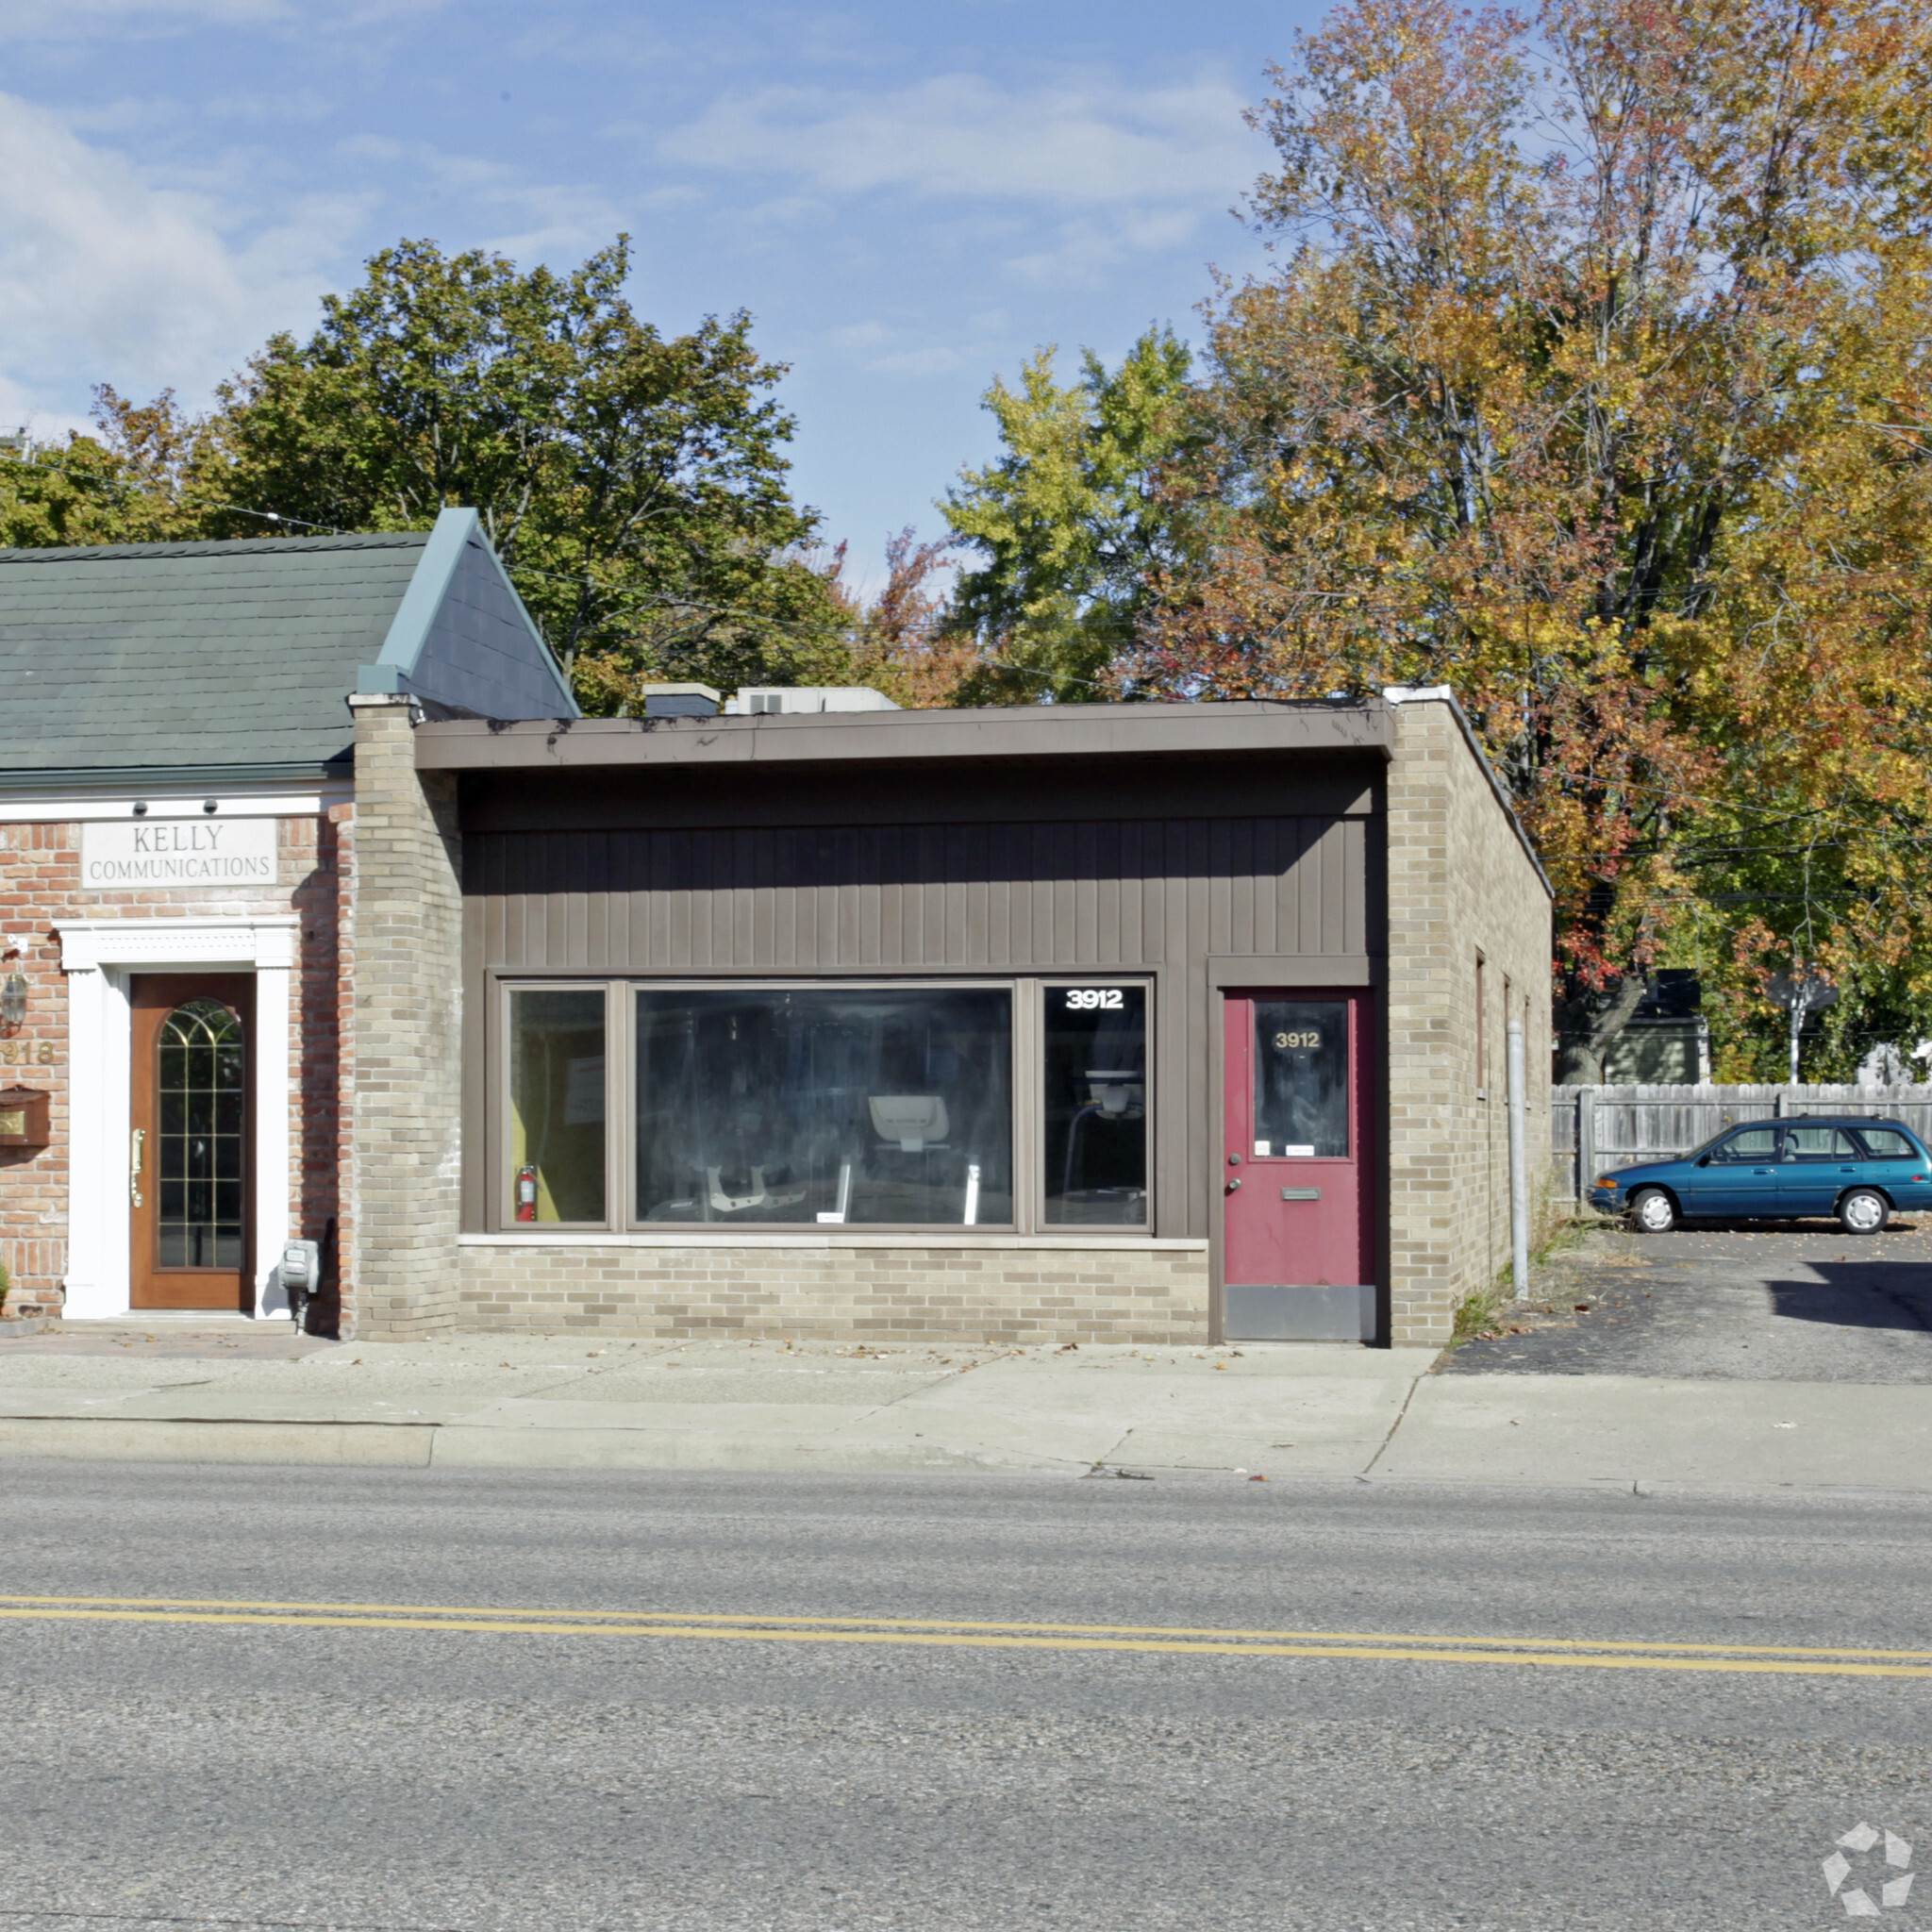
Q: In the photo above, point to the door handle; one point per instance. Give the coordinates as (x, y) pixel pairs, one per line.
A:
(136, 1150)
(1234, 1184)
(1761, 1169)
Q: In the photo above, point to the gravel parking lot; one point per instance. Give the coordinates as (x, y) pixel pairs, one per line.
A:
(1745, 1303)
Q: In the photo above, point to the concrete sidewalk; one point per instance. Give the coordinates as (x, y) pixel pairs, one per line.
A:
(241, 1392)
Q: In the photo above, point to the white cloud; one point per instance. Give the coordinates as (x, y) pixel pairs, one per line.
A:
(961, 135)
(105, 276)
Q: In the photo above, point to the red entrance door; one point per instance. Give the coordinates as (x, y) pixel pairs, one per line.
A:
(1297, 1169)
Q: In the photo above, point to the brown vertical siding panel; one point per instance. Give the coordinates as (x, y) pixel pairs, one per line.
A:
(927, 929)
(562, 890)
(1082, 900)
(1211, 874)
(976, 904)
(577, 907)
(997, 845)
(1244, 849)
(1107, 894)
(1329, 881)
(604, 907)
(1020, 845)
(892, 939)
(1355, 885)
(1063, 893)
(1334, 887)
(1128, 909)
(1275, 848)
(760, 892)
(684, 909)
(518, 933)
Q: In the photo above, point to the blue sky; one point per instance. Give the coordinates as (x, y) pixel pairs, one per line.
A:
(909, 199)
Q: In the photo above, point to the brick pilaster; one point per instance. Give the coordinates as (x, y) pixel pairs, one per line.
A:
(406, 1142)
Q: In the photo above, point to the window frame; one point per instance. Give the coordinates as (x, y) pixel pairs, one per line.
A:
(501, 1191)
(1035, 1071)
(1027, 992)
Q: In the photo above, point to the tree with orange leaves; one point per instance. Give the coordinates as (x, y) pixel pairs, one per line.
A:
(1592, 381)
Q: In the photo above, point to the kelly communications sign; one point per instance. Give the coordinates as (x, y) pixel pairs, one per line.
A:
(120, 855)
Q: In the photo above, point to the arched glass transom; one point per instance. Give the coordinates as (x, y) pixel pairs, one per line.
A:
(201, 1088)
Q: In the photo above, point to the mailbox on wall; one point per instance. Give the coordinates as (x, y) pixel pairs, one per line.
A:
(23, 1117)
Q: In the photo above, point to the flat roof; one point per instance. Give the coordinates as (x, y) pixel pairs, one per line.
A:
(998, 731)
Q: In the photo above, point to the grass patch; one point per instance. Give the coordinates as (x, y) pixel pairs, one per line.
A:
(1479, 1314)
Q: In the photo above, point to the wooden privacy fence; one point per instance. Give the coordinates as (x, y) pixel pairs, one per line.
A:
(1598, 1130)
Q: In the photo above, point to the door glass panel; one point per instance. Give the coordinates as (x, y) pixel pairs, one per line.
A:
(825, 1105)
(201, 1084)
(1817, 1143)
(1301, 1077)
(557, 1105)
(1753, 1145)
(1095, 1146)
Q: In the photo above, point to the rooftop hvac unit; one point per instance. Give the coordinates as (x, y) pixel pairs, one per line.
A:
(788, 700)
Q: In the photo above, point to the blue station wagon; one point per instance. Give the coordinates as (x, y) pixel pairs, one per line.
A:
(1858, 1171)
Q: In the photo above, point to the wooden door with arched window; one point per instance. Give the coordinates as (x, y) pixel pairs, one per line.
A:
(192, 1129)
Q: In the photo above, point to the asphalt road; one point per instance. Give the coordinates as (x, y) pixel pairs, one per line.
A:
(292, 1773)
(1737, 1302)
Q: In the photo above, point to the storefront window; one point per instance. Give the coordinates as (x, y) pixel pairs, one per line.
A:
(557, 1105)
(1095, 1143)
(1301, 1078)
(843, 1107)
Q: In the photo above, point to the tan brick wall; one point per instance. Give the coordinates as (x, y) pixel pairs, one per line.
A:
(1460, 884)
(404, 1152)
(1014, 1294)
(40, 886)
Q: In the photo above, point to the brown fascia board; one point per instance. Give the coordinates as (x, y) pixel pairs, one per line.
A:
(1058, 731)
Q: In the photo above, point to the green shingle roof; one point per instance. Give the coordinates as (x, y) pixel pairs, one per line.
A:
(150, 655)
(145, 657)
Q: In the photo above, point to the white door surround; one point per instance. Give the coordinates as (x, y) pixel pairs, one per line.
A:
(99, 957)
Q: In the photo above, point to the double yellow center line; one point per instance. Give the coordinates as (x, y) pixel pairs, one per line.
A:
(1574, 1653)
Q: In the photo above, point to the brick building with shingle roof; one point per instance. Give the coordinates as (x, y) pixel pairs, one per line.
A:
(178, 891)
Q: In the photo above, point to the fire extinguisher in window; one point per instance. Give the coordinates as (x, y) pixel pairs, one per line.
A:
(526, 1194)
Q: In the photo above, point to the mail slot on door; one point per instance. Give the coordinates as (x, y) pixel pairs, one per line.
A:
(1301, 1193)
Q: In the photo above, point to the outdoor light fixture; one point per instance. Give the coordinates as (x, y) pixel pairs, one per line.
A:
(13, 991)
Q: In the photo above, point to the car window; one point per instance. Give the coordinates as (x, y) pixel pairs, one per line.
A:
(1818, 1143)
(1886, 1143)
(1748, 1143)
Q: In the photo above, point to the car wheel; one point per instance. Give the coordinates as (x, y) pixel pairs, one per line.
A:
(1864, 1210)
(1654, 1211)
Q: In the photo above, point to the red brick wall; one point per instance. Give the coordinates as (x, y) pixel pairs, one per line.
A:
(39, 885)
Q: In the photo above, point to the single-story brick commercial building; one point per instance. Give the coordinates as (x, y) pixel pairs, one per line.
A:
(330, 919)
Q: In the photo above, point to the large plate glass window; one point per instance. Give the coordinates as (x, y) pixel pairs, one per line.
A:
(1094, 1068)
(1301, 1078)
(838, 1106)
(556, 1085)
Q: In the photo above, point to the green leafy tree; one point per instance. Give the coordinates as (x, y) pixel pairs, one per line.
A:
(634, 484)
(1068, 523)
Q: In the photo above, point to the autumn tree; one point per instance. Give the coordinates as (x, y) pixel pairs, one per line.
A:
(901, 640)
(1590, 381)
